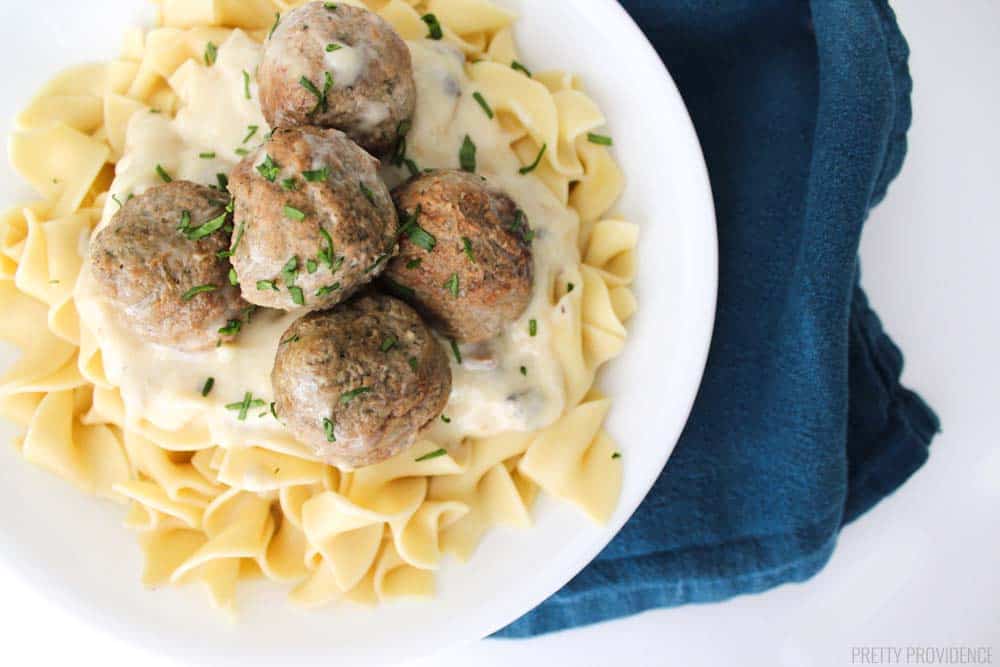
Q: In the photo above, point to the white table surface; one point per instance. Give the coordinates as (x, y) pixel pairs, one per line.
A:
(921, 568)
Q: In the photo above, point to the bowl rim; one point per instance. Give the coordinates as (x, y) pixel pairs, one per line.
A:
(601, 11)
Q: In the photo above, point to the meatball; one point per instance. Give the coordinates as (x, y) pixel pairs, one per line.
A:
(335, 65)
(464, 255)
(356, 383)
(158, 264)
(314, 222)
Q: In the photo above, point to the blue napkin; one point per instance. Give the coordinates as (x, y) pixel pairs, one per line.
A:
(801, 424)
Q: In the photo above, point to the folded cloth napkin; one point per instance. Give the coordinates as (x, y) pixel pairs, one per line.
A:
(801, 424)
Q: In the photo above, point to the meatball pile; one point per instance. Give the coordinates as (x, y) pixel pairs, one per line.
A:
(312, 229)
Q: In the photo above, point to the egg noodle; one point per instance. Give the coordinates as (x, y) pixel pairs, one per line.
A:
(365, 535)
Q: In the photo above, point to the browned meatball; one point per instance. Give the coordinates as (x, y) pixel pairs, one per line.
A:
(157, 263)
(335, 65)
(358, 382)
(465, 255)
(314, 222)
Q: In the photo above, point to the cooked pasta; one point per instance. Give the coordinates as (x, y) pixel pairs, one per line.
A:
(218, 507)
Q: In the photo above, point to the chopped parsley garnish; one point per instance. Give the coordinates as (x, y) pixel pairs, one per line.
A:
(326, 254)
(246, 84)
(185, 222)
(467, 248)
(616, 455)
(298, 296)
(290, 270)
(457, 352)
(234, 279)
(269, 169)
(274, 412)
(203, 230)
(293, 213)
(222, 180)
(117, 200)
(264, 285)
(242, 152)
(311, 266)
(317, 175)
(599, 139)
(211, 53)
(330, 48)
(467, 155)
(414, 364)
(367, 192)
(206, 156)
(520, 226)
(195, 291)
(452, 285)
(349, 396)
(570, 287)
(291, 339)
(534, 165)
(289, 185)
(328, 430)
(401, 291)
(389, 343)
(533, 327)
(414, 263)
(277, 20)
(251, 130)
(422, 238)
(483, 103)
(520, 68)
(245, 405)
(236, 240)
(446, 419)
(419, 236)
(332, 6)
(206, 388)
(232, 328)
(327, 289)
(164, 176)
(524, 371)
(378, 262)
(411, 166)
(409, 220)
(436, 453)
(399, 158)
(321, 101)
(433, 26)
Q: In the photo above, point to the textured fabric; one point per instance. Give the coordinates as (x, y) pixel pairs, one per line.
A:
(801, 423)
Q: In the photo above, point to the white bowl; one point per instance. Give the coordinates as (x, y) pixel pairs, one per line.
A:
(75, 549)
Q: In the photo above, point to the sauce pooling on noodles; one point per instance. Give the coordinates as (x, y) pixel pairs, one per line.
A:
(513, 383)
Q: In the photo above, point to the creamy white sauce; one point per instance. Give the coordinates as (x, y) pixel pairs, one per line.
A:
(345, 64)
(372, 113)
(490, 393)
